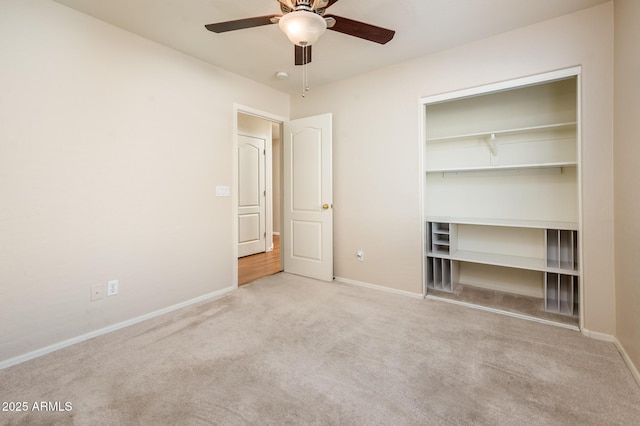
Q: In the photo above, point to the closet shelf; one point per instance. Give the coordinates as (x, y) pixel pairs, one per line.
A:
(441, 242)
(532, 264)
(538, 224)
(554, 126)
(503, 167)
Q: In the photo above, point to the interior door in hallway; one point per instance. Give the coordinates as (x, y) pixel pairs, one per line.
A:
(251, 196)
(308, 197)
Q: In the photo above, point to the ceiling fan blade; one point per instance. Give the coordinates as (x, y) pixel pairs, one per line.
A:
(302, 54)
(240, 24)
(361, 30)
(331, 2)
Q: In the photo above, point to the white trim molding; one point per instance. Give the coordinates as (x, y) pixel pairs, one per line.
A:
(503, 85)
(605, 337)
(625, 356)
(380, 288)
(506, 313)
(78, 339)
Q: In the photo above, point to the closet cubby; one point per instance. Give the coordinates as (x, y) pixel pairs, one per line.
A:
(562, 249)
(441, 273)
(561, 293)
(501, 193)
(439, 237)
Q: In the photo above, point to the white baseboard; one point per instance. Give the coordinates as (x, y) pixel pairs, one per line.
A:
(74, 340)
(506, 313)
(627, 360)
(605, 337)
(380, 288)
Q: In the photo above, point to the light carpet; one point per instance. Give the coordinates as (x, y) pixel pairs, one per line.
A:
(291, 350)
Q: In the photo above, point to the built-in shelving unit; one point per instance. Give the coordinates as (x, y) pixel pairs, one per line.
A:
(558, 263)
(501, 192)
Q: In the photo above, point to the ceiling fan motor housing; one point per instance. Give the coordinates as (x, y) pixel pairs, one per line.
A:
(309, 5)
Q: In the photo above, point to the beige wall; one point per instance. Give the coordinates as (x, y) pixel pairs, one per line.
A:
(111, 147)
(377, 148)
(627, 164)
(110, 150)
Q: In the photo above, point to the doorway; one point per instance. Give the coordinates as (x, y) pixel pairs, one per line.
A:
(298, 194)
(258, 197)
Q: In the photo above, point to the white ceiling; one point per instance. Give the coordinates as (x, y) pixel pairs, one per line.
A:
(422, 27)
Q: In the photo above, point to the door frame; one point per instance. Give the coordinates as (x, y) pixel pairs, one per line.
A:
(239, 108)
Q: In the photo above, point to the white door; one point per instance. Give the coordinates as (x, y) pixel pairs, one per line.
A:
(251, 196)
(308, 197)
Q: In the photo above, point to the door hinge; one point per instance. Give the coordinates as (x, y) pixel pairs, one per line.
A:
(264, 193)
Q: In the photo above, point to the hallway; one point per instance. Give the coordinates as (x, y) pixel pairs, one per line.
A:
(250, 268)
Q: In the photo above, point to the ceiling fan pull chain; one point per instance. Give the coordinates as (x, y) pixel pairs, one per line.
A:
(306, 77)
(305, 71)
(304, 67)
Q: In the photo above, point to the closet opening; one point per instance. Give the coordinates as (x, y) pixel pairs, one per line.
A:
(501, 198)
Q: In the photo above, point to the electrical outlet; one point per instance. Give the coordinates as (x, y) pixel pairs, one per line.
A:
(112, 288)
(360, 255)
(97, 292)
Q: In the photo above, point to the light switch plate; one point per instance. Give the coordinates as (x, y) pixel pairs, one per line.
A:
(223, 191)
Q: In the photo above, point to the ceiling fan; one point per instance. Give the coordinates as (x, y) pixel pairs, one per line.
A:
(304, 21)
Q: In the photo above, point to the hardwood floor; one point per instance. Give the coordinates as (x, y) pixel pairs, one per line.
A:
(250, 268)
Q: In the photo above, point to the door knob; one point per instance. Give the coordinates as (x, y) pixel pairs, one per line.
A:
(325, 206)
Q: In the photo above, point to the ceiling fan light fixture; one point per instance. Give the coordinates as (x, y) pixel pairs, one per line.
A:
(302, 27)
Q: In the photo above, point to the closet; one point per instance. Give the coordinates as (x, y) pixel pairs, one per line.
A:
(501, 197)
